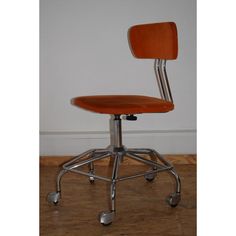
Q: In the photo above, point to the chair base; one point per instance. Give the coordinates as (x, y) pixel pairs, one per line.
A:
(117, 152)
(149, 157)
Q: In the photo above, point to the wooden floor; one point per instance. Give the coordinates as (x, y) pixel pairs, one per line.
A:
(141, 207)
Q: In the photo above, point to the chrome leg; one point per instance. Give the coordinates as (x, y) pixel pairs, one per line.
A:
(54, 197)
(61, 173)
(113, 183)
(172, 171)
(91, 171)
(177, 180)
(113, 196)
(174, 198)
(150, 177)
(106, 217)
(91, 167)
(71, 165)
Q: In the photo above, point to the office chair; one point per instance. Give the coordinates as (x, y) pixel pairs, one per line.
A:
(156, 41)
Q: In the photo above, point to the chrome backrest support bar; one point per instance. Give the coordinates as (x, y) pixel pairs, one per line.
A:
(167, 82)
(159, 82)
(162, 79)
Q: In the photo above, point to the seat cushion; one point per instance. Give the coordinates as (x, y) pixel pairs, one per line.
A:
(123, 104)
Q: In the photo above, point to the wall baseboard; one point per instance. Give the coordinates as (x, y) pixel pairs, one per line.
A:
(175, 159)
(73, 143)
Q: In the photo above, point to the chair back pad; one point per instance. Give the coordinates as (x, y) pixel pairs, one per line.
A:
(155, 40)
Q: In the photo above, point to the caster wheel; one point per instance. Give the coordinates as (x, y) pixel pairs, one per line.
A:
(53, 197)
(174, 199)
(150, 176)
(91, 180)
(105, 218)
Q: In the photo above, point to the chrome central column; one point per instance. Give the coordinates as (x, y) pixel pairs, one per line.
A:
(115, 134)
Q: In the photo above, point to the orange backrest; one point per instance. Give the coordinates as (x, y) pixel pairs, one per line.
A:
(156, 40)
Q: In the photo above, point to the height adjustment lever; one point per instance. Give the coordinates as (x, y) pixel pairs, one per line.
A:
(129, 117)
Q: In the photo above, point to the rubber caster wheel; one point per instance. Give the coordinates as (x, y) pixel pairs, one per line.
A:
(150, 176)
(53, 197)
(174, 199)
(91, 180)
(105, 218)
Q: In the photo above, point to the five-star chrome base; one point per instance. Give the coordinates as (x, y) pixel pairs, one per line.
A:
(118, 152)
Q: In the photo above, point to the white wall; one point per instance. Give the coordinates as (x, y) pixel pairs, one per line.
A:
(84, 51)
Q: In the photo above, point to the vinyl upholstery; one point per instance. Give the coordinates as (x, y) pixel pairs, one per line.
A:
(123, 104)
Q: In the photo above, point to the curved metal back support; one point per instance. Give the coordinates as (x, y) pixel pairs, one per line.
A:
(162, 79)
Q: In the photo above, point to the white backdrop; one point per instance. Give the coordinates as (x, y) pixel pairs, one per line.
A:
(84, 51)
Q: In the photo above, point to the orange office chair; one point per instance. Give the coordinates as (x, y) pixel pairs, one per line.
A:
(152, 41)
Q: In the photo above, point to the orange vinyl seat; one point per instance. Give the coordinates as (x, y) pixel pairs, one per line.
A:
(123, 104)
